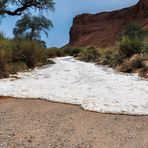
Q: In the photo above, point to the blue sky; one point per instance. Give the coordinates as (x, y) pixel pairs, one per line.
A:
(65, 11)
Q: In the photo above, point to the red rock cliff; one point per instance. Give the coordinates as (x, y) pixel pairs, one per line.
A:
(102, 29)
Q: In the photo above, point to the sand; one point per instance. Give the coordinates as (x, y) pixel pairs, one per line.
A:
(33, 123)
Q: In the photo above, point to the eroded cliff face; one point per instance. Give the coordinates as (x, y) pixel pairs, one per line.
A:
(102, 29)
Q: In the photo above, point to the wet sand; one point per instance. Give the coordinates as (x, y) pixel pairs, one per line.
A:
(33, 123)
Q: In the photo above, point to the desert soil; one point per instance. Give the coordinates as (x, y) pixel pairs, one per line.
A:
(33, 123)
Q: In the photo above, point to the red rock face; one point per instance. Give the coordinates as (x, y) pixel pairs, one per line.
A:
(102, 29)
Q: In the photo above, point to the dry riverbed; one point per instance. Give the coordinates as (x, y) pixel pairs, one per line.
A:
(33, 123)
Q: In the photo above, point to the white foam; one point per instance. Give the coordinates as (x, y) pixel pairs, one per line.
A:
(95, 88)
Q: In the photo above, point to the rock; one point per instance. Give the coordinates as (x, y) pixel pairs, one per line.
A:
(102, 29)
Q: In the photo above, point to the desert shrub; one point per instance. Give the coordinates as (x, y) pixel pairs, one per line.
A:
(105, 57)
(133, 49)
(136, 61)
(89, 55)
(13, 68)
(109, 56)
(5, 53)
(28, 52)
(132, 38)
(4, 56)
(133, 31)
(128, 47)
(124, 67)
(74, 51)
(145, 48)
(144, 72)
(114, 59)
(54, 52)
(18, 54)
(131, 64)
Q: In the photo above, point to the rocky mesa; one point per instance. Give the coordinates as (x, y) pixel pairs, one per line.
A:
(102, 29)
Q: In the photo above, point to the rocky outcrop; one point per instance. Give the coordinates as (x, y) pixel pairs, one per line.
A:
(102, 29)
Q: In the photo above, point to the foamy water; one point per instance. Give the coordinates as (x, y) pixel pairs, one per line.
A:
(95, 88)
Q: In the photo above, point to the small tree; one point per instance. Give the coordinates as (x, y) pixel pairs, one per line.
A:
(30, 27)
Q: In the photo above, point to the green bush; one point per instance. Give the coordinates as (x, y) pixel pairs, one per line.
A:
(129, 47)
(13, 68)
(73, 51)
(114, 59)
(145, 49)
(55, 52)
(18, 55)
(28, 52)
(5, 53)
(89, 55)
(133, 31)
(4, 57)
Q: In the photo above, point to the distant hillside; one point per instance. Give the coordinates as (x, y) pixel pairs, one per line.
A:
(102, 29)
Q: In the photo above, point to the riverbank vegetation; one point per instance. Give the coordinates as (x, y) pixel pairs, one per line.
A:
(26, 50)
(130, 55)
(18, 55)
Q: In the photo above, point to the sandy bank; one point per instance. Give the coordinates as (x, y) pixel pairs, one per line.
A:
(41, 124)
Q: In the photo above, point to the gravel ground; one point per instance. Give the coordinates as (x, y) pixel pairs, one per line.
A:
(33, 123)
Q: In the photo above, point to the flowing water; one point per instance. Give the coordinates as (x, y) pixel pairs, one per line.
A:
(95, 88)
